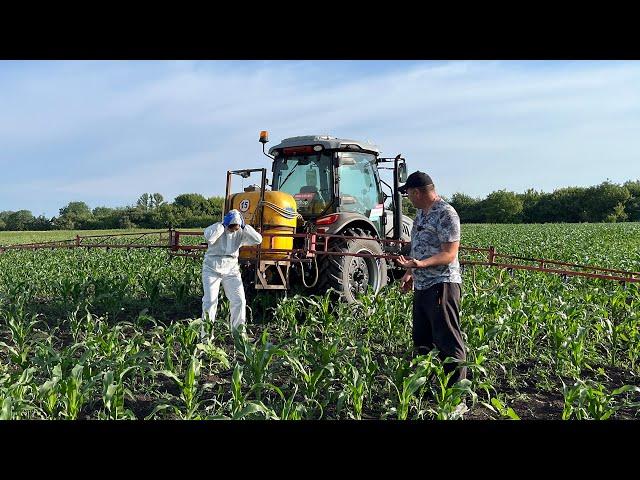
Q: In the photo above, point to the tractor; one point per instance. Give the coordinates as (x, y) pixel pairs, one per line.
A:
(325, 208)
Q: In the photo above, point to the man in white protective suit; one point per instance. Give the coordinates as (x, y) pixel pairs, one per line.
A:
(220, 265)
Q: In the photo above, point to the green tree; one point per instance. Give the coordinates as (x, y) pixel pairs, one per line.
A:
(632, 205)
(501, 207)
(3, 219)
(632, 208)
(20, 220)
(167, 215)
(565, 205)
(156, 200)
(618, 215)
(78, 209)
(530, 200)
(601, 202)
(73, 215)
(144, 202)
(102, 211)
(216, 206)
(40, 223)
(194, 202)
(633, 187)
(467, 207)
(408, 209)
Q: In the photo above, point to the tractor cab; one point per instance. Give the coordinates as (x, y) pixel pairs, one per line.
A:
(328, 175)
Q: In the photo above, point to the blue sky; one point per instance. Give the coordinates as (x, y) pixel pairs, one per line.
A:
(105, 132)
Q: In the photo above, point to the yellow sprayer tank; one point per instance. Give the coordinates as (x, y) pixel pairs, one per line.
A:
(279, 216)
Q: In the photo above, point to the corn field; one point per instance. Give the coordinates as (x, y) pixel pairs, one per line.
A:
(114, 335)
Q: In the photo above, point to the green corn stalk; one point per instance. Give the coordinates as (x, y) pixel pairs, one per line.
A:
(357, 389)
(215, 354)
(50, 391)
(590, 401)
(189, 387)
(241, 408)
(314, 381)
(75, 389)
(497, 406)
(290, 409)
(257, 357)
(113, 394)
(17, 399)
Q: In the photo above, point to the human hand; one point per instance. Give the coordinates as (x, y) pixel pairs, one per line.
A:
(406, 283)
(407, 262)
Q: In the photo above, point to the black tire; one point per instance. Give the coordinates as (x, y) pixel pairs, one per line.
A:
(350, 275)
(396, 272)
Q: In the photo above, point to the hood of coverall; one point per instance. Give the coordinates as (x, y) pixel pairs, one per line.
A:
(235, 217)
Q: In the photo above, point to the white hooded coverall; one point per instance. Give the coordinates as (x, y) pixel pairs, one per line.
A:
(220, 265)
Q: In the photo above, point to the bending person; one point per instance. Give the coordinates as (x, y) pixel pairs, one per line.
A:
(220, 265)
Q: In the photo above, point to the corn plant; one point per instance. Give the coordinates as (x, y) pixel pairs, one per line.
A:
(354, 391)
(501, 409)
(590, 401)
(50, 392)
(314, 380)
(17, 399)
(291, 410)
(75, 391)
(448, 397)
(189, 390)
(242, 408)
(316, 358)
(256, 357)
(215, 355)
(407, 383)
(113, 395)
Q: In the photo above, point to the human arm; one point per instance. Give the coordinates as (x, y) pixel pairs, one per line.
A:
(448, 233)
(213, 232)
(250, 236)
(448, 253)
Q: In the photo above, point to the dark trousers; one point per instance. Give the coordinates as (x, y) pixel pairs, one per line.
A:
(436, 323)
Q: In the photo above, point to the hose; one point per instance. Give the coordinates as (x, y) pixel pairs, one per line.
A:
(289, 215)
(485, 290)
(315, 261)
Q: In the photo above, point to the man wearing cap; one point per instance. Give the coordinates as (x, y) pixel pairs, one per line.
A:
(433, 271)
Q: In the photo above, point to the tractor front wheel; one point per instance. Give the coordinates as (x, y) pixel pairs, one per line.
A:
(351, 275)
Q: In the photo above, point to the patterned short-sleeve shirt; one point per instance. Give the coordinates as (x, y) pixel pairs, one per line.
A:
(440, 224)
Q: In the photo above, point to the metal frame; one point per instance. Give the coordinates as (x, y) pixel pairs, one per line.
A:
(316, 245)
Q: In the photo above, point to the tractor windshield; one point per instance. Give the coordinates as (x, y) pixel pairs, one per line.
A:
(359, 190)
(308, 178)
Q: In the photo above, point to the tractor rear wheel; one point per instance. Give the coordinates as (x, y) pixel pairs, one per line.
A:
(350, 275)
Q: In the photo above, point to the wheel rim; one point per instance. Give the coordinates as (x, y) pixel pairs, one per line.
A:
(363, 272)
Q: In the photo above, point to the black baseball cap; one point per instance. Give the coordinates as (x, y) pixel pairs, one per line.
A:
(416, 179)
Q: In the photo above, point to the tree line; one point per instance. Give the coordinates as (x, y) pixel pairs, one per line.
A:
(606, 202)
(189, 210)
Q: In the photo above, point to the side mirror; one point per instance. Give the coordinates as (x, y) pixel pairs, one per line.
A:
(402, 172)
